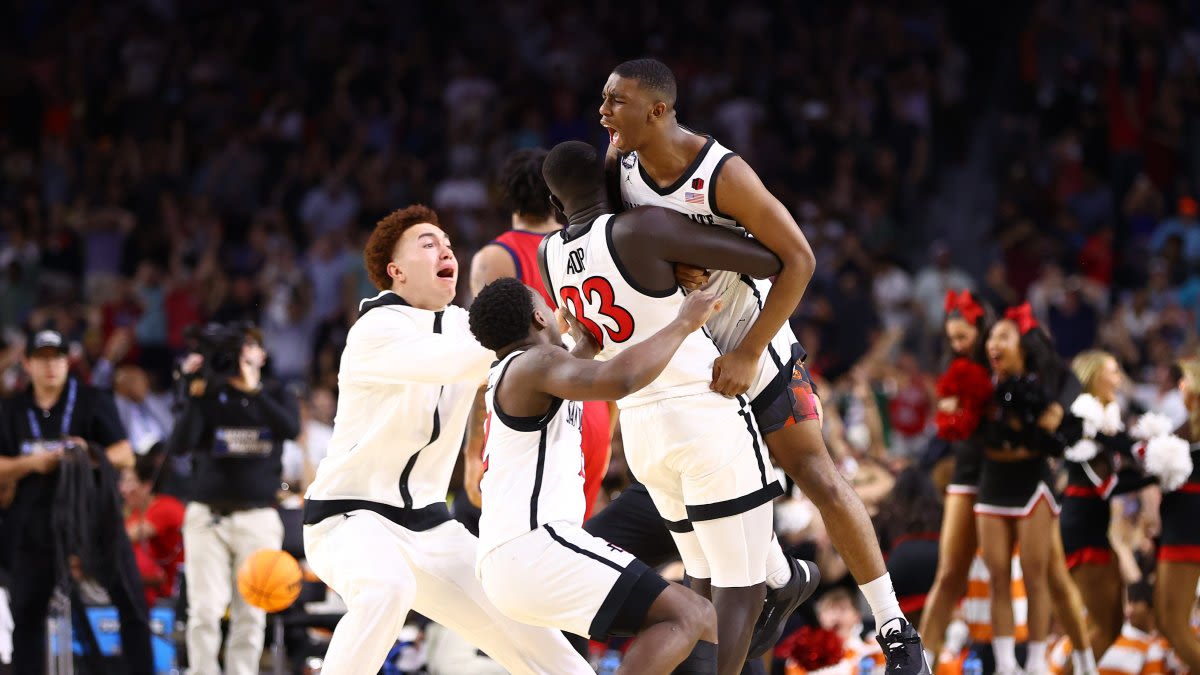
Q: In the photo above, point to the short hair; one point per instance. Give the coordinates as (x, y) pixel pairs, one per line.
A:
(524, 189)
(573, 170)
(146, 467)
(651, 74)
(501, 313)
(381, 246)
(835, 596)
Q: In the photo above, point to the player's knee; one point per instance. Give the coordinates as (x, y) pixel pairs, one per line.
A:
(698, 618)
(386, 599)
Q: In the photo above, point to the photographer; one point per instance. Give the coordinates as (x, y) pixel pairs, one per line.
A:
(234, 425)
(60, 441)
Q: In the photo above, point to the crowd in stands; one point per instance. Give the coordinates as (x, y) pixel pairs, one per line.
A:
(164, 164)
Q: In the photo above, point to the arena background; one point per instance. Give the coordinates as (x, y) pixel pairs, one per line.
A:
(165, 163)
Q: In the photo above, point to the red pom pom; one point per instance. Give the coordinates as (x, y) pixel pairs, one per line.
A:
(812, 648)
(970, 383)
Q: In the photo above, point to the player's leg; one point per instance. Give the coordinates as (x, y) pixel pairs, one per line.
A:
(679, 625)
(1101, 589)
(1036, 552)
(728, 483)
(589, 587)
(449, 593)
(362, 557)
(737, 577)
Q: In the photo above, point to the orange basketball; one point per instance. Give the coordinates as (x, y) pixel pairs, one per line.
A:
(270, 580)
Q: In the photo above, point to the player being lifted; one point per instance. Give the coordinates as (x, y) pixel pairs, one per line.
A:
(533, 487)
(698, 453)
(653, 160)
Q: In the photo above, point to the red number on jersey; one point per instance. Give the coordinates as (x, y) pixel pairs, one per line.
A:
(599, 288)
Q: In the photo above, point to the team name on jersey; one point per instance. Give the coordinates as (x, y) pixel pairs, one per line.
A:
(702, 218)
(574, 415)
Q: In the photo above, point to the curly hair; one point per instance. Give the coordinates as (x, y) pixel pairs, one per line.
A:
(652, 74)
(501, 313)
(381, 246)
(524, 189)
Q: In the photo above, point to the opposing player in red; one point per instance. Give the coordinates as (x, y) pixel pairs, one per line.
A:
(514, 254)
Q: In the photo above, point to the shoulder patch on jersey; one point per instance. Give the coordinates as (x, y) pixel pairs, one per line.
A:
(629, 160)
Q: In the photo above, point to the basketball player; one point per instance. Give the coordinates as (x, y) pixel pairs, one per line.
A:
(698, 453)
(533, 486)
(653, 160)
(514, 254)
(377, 529)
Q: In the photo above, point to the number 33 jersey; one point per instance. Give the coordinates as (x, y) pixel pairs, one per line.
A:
(588, 279)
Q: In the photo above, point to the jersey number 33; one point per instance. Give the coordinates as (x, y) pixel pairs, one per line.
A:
(593, 304)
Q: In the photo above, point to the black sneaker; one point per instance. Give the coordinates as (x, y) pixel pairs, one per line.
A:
(780, 603)
(903, 650)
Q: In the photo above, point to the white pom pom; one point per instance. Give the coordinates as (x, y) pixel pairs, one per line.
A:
(1152, 424)
(1110, 421)
(1087, 407)
(1170, 459)
(1083, 451)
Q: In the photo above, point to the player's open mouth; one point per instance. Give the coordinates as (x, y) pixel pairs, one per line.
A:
(446, 273)
(614, 136)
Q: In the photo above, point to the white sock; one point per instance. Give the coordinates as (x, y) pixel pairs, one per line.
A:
(1035, 656)
(1005, 651)
(882, 598)
(779, 572)
(1084, 662)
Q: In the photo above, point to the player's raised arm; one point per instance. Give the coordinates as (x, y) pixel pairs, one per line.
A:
(742, 196)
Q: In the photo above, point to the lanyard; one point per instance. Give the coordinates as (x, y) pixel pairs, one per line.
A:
(35, 427)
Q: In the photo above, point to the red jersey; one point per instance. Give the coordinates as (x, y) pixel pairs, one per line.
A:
(160, 556)
(522, 245)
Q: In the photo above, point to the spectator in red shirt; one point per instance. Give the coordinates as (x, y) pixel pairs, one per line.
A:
(155, 526)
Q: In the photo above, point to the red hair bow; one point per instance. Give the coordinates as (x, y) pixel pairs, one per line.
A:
(964, 304)
(1022, 315)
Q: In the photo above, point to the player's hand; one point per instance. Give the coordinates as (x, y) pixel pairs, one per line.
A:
(690, 277)
(44, 461)
(697, 307)
(582, 336)
(733, 373)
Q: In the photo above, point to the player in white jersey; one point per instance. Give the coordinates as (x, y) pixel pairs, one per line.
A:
(377, 529)
(533, 485)
(654, 160)
(698, 453)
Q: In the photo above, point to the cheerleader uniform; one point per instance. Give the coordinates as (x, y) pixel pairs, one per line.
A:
(1085, 513)
(968, 464)
(1012, 489)
(1180, 512)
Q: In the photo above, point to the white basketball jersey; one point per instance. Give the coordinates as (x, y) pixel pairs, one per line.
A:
(693, 195)
(587, 279)
(533, 468)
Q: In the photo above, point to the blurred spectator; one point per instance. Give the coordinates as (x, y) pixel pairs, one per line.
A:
(147, 417)
(155, 525)
(934, 280)
(1185, 226)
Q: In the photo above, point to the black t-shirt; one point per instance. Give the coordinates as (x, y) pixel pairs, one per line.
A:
(236, 440)
(86, 412)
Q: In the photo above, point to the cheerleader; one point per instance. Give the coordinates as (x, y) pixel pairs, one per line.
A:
(1179, 547)
(962, 391)
(1099, 465)
(1015, 504)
